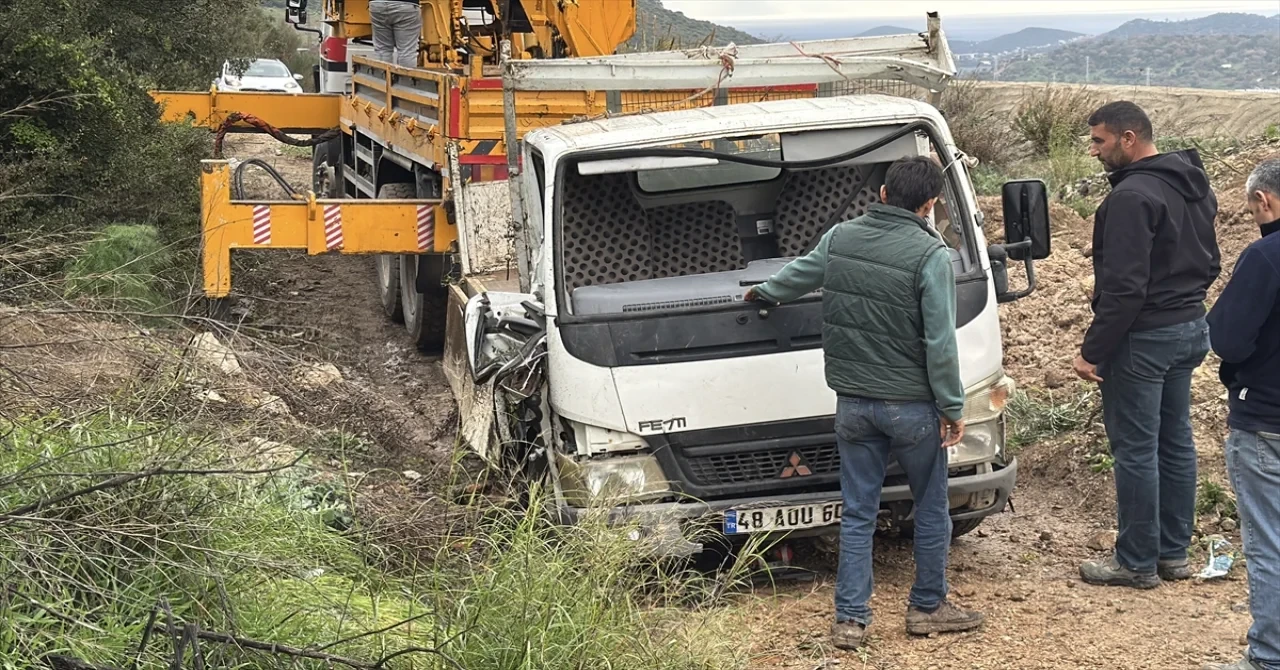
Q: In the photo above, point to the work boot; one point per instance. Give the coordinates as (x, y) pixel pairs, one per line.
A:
(848, 634)
(1111, 573)
(1242, 664)
(1174, 570)
(946, 619)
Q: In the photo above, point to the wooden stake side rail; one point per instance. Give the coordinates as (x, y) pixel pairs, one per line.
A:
(318, 226)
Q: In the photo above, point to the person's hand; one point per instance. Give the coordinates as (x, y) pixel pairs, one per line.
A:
(952, 432)
(1086, 370)
(751, 295)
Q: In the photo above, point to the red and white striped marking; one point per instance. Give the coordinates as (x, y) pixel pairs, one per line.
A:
(332, 227)
(262, 224)
(426, 227)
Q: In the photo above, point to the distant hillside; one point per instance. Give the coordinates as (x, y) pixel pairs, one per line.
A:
(1224, 62)
(659, 28)
(886, 30)
(1027, 38)
(1214, 24)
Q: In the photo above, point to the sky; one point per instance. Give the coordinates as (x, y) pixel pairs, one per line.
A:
(962, 19)
(763, 10)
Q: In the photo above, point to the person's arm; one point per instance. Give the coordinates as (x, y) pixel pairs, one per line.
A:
(1248, 299)
(801, 276)
(938, 312)
(1122, 279)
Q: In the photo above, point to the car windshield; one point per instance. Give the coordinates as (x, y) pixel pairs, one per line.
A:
(266, 68)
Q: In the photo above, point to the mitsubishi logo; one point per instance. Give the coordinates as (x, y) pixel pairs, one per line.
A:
(795, 467)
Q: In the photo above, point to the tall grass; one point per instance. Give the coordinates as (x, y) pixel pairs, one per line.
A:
(122, 267)
(251, 551)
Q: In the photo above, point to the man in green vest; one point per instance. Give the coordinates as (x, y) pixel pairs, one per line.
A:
(889, 342)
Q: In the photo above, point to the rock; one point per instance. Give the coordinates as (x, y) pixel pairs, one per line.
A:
(1227, 525)
(1087, 251)
(1086, 285)
(982, 532)
(1240, 608)
(412, 475)
(317, 376)
(965, 591)
(1104, 541)
(1018, 597)
(1071, 583)
(210, 395)
(209, 352)
(1046, 536)
(270, 404)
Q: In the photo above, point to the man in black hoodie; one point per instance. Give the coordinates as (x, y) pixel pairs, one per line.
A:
(1245, 330)
(1154, 256)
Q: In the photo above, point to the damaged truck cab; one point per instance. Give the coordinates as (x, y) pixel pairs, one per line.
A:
(658, 392)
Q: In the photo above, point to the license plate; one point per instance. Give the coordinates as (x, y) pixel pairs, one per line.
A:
(790, 517)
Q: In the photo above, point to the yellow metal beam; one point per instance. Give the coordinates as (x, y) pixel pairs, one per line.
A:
(318, 226)
(290, 112)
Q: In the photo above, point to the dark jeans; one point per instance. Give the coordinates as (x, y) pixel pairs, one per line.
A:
(867, 432)
(1146, 406)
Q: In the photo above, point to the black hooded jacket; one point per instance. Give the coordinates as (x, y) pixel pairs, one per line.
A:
(1155, 252)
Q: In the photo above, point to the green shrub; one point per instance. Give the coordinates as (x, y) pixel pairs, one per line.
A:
(122, 266)
(1053, 116)
(1035, 417)
(978, 128)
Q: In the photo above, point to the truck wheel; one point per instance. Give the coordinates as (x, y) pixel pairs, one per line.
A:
(388, 268)
(424, 313)
(327, 182)
(964, 527)
(388, 265)
(958, 528)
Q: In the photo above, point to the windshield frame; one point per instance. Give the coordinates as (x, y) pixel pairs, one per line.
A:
(569, 160)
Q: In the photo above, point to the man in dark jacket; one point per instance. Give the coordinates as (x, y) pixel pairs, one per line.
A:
(889, 340)
(1155, 254)
(1245, 329)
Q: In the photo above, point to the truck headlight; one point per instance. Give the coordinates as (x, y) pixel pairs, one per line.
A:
(613, 481)
(982, 442)
(986, 403)
(983, 424)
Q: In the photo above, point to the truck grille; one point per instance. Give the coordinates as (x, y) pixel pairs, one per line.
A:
(741, 468)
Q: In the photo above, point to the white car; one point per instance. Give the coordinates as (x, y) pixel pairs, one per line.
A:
(262, 74)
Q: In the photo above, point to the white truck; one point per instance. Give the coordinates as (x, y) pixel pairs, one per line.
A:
(620, 361)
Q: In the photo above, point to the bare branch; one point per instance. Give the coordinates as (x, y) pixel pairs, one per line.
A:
(114, 482)
(373, 632)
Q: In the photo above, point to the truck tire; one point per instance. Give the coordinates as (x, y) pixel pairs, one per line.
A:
(388, 265)
(958, 528)
(424, 313)
(327, 184)
(964, 527)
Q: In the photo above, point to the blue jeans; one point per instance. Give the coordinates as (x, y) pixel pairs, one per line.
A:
(868, 432)
(1253, 462)
(1146, 406)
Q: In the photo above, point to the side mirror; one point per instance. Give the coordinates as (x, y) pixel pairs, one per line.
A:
(297, 76)
(295, 12)
(1026, 219)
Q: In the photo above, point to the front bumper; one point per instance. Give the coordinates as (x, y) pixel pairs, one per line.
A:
(663, 523)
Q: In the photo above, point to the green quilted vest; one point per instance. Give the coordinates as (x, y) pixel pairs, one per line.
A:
(873, 332)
